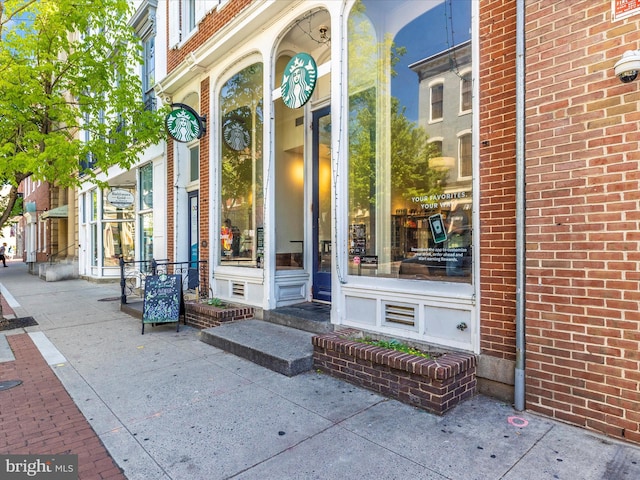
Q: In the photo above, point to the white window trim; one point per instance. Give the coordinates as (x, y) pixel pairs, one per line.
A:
(434, 83)
(462, 74)
(459, 136)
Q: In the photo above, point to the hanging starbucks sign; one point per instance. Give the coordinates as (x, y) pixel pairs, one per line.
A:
(183, 124)
(299, 80)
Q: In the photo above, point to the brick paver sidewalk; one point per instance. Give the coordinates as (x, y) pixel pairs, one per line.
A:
(6, 309)
(39, 417)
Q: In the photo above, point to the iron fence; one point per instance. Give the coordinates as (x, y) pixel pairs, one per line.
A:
(134, 273)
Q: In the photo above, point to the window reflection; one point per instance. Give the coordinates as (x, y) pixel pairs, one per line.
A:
(410, 157)
(241, 215)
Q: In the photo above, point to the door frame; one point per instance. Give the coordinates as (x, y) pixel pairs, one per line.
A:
(321, 281)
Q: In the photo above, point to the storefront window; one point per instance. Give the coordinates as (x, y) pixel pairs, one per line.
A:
(146, 187)
(146, 213)
(410, 187)
(93, 219)
(289, 181)
(242, 202)
(146, 239)
(118, 209)
(194, 163)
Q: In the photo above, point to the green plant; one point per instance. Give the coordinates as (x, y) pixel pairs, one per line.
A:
(215, 302)
(394, 345)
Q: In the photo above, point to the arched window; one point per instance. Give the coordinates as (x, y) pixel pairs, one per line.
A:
(241, 194)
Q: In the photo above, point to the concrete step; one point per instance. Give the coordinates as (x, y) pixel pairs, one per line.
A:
(308, 316)
(282, 349)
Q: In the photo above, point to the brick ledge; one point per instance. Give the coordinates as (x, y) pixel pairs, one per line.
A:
(436, 385)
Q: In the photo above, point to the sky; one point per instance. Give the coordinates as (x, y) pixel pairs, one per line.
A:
(444, 26)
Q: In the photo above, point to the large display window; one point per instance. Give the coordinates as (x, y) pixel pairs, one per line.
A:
(118, 227)
(241, 192)
(410, 169)
(145, 213)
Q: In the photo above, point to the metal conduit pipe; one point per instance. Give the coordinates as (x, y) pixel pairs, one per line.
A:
(519, 393)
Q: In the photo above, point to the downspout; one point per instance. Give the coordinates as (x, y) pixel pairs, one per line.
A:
(519, 394)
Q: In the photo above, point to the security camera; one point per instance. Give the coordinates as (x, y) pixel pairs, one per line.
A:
(628, 66)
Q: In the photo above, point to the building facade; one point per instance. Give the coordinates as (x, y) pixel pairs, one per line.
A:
(382, 156)
(127, 219)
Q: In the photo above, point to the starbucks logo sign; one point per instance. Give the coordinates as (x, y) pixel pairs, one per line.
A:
(184, 124)
(299, 80)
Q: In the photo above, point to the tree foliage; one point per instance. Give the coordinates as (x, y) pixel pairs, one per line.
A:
(409, 150)
(243, 104)
(70, 95)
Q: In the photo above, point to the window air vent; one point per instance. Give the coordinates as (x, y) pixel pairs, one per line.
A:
(237, 290)
(402, 314)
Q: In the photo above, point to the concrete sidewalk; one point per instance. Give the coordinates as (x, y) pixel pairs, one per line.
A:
(168, 406)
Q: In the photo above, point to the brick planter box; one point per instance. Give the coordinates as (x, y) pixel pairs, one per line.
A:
(436, 385)
(202, 315)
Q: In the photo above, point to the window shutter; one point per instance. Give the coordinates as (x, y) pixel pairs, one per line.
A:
(205, 6)
(202, 7)
(174, 24)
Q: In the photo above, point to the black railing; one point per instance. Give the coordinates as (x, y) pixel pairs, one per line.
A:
(54, 256)
(133, 274)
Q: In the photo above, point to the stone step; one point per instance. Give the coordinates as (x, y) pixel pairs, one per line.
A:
(309, 316)
(282, 349)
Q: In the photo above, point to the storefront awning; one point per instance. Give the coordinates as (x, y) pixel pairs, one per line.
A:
(58, 212)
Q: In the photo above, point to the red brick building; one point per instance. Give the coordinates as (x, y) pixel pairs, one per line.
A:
(582, 217)
(508, 228)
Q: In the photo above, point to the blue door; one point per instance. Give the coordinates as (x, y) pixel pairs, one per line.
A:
(194, 227)
(322, 238)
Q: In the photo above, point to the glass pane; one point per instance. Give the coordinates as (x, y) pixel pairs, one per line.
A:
(94, 244)
(324, 194)
(117, 240)
(146, 236)
(289, 191)
(94, 205)
(146, 187)
(436, 102)
(194, 163)
(409, 204)
(241, 192)
(118, 203)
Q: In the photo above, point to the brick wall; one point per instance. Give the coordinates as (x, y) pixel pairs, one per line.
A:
(170, 201)
(201, 315)
(583, 218)
(213, 22)
(497, 178)
(204, 175)
(436, 385)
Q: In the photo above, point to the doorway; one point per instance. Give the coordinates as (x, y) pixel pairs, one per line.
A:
(194, 233)
(321, 204)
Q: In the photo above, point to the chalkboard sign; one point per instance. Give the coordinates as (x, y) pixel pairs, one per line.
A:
(162, 301)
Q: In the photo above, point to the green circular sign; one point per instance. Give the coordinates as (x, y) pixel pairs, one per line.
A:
(183, 125)
(298, 80)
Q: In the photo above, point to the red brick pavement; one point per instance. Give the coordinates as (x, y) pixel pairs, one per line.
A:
(6, 309)
(39, 417)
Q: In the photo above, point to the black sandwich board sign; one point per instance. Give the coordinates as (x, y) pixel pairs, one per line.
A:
(163, 301)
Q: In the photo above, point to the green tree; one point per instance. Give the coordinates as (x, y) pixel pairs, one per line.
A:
(70, 96)
(242, 103)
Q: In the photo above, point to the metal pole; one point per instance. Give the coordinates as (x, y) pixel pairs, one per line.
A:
(519, 393)
(123, 295)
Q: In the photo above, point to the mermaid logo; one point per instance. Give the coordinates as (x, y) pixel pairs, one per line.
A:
(235, 134)
(184, 124)
(299, 80)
